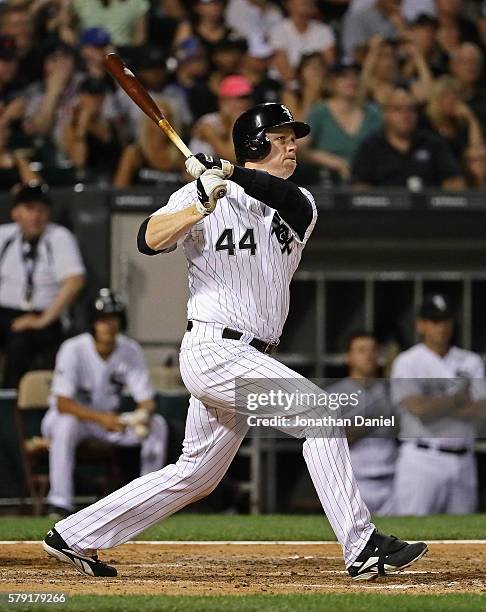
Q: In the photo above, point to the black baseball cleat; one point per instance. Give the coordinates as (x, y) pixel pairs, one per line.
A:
(385, 555)
(56, 547)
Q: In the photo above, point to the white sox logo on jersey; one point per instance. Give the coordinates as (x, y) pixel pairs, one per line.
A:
(283, 234)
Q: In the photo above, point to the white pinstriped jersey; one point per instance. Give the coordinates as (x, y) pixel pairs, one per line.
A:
(241, 260)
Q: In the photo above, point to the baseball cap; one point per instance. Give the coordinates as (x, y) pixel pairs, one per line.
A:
(342, 65)
(189, 49)
(436, 307)
(8, 48)
(235, 86)
(31, 192)
(96, 37)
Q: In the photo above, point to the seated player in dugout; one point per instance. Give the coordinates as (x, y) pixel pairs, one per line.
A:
(243, 229)
(440, 389)
(92, 371)
(41, 274)
(373, 450)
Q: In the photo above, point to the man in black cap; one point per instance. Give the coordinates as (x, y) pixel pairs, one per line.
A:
(437, 386)
(41, 273)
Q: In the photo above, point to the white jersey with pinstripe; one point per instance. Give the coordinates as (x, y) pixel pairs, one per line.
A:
(241, 260)
(247, 290)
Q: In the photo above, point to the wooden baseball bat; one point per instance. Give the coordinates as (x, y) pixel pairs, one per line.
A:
(137, 92)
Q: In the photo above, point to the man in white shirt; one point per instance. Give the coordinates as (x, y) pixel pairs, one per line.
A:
(253, 17)
(92, 370)
(381, 17)
(439, 388)
(299, 35)
(41, 274)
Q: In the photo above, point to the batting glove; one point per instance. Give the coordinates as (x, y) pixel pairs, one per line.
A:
(211, 186)
(199, 163)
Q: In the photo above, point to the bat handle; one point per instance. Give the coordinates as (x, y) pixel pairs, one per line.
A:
(221, 193)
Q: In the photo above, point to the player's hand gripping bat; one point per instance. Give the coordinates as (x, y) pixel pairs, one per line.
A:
(137, 92)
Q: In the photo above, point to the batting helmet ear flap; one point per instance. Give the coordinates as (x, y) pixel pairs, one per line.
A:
(257, 146)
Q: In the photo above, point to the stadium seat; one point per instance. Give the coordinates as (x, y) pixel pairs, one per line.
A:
(32, 403)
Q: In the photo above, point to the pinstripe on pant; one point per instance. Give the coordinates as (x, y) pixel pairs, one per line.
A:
(214, 431)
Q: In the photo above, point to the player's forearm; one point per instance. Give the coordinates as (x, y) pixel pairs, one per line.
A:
(428, 408)
(473, 411)
(66, 405)
(147, 406)
(66, 295)
(163, 231)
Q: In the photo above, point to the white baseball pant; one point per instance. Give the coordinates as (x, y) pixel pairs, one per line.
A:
(66, 432)
(429, 481)
(214, 432)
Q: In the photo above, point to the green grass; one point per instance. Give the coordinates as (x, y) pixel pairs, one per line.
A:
(267, 603)
(187, 526)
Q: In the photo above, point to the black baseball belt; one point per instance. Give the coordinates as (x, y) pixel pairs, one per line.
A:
(453, 451)
(232, 334)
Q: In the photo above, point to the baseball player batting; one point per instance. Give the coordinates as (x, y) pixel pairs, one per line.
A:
(242, 251)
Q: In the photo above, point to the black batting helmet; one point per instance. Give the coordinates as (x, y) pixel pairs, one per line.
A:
(108, 302)
(249, 137)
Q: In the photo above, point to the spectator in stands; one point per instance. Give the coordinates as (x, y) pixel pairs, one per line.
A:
(52, 19)
(453, 27)
(12, 99)
(125, 20)
(226, 58)
(164, 19)
(382, 18)
(90, 139)
(451, 118)
(381, 70)
(152, 153)
(16, 21)
(207, 24)
(309, 86)
(14, 165)
(299, 34)
(341, 123)
(253, 17)
(41, 275)
(401, 155)
(373, 450)
(475, 166)
(150, 64)
(94, 44)
(92, 371)
(422, 33)
(191, 69)
(212, 133)
(255, 67)
(440, 389)
(465, 65)
(51, 102)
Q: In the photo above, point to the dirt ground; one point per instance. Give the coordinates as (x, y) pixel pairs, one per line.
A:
(238, 569)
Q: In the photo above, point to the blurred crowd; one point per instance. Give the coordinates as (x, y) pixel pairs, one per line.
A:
(392, 90)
